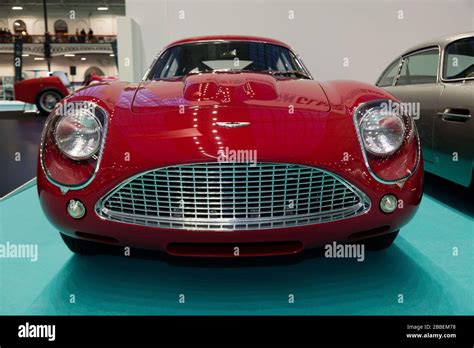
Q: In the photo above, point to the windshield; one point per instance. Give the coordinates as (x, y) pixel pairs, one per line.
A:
(230, 56)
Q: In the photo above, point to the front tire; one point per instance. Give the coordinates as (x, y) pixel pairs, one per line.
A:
(84, 247)
(380, 242)
(47, 99)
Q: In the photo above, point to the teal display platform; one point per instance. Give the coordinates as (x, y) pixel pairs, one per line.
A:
(420, 266)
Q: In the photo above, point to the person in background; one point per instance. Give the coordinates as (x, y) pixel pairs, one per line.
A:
(83, 35)
(6, 35)
(90, 35)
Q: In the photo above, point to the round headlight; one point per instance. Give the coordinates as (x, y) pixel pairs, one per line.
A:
(78, 134)
(382, 132)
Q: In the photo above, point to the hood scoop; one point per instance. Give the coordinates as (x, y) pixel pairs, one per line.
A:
(229, 88)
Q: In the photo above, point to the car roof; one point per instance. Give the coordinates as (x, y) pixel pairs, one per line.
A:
(442, 42)
(228, 38)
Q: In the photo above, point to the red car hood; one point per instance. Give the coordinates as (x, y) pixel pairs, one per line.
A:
(287, 120)
(231, 89)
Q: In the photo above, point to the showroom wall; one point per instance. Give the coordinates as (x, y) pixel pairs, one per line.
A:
(336, 39)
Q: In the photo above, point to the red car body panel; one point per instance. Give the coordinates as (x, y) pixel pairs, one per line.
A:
(27, 90)
(145, 125)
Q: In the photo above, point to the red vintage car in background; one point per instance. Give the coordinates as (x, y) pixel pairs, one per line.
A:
(46, 92)
(228, 147)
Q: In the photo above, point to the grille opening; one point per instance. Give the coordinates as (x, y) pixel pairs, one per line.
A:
(228, 249)
(233, 196)
(369, 233)
(96, 237)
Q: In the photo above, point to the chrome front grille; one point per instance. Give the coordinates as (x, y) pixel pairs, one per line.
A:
(232, 196)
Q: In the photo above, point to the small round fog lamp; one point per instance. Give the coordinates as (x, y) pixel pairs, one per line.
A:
(76, 209)
(388, 203)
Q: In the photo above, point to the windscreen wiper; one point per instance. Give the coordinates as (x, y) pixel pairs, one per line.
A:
(288, 72)
(217, 71)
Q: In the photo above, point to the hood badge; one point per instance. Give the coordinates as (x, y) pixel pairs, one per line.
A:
(232, 124)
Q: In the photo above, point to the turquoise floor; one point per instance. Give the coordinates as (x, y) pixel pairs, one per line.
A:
(420, 266)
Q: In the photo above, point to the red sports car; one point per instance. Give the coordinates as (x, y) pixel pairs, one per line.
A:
(46, 92)
(228, 147)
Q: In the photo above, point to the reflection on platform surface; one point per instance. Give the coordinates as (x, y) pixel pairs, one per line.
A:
(421, 266)
(20, 135)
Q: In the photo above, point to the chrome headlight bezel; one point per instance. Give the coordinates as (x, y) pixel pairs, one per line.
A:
(79, 119)
(395, 166)
(379, 139)
(57, 166)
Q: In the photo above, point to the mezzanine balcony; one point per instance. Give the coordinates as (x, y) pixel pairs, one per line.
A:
(60, 44)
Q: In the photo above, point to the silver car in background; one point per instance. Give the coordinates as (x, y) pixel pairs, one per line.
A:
(439, 75)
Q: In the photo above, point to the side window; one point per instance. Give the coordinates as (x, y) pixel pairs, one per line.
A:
(389, 74)
(167, 65)
(159, 70)
(459, 59)
(419, 68)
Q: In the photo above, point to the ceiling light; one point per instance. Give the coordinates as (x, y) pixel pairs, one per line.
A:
(83, 58)
(25, 55)
(112, 55)
(102, 8)
(69, 55)
(39, 58)
(17, 8)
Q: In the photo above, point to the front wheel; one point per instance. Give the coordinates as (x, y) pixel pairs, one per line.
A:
(380, 242)
(47, 99)
(84, 247)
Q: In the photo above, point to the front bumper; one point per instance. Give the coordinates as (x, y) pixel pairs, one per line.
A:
(93, 227)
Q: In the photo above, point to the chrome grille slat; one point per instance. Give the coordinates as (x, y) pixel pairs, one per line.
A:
(220, 201)
(228, 196)
(195, 197)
